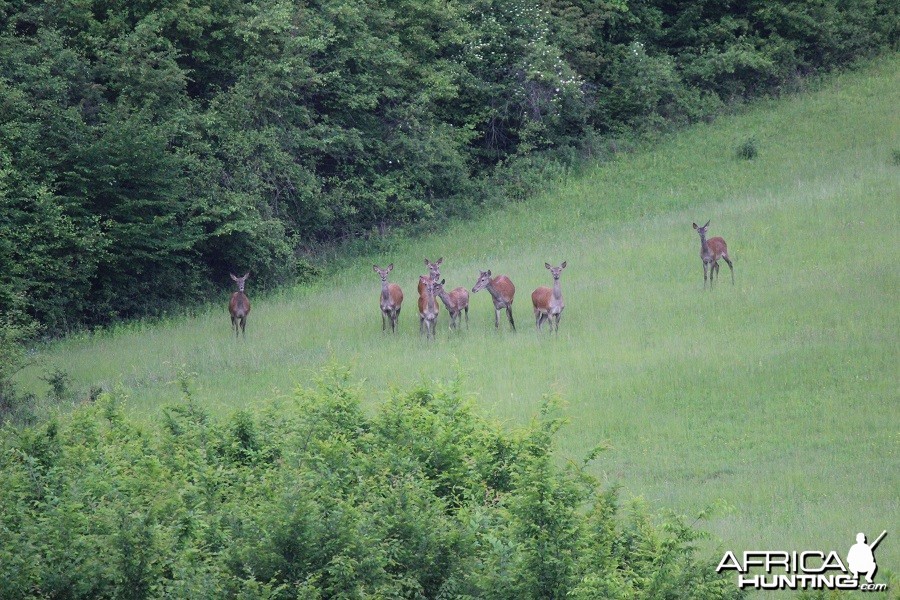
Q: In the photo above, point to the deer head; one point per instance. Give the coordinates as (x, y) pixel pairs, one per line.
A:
(556, 271)
(240, 281)
(484, 279)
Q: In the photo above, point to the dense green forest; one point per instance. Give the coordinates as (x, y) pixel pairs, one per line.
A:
(147, 148)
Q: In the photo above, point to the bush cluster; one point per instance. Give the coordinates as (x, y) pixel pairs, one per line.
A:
(146, 149)
(310, 498)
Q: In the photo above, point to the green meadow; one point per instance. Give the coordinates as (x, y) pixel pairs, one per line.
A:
(777, 399)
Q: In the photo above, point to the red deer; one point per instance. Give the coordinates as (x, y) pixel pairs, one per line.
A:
(391, 298)
(501, 290)
(456, 302)
(548, 304)
(428, 307)
(434, 271)
(239, 307)
(710, 252)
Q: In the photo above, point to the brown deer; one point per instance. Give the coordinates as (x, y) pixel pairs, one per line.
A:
(239, 306)
(710, 252)
(391, 299)
(548, 304)
(428, 307)
(434, 271)
(456, 301)
(501, 290)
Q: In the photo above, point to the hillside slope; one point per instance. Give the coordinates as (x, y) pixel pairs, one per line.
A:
(778, 395)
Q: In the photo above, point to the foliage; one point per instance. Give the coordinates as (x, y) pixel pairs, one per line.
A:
(310, 498)
(748, 149)
(15, 331)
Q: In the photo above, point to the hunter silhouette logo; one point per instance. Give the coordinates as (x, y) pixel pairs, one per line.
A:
(808, 569)
(861, 557)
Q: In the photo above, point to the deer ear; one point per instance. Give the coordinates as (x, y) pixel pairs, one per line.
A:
(488, 273)
(233, 277)
(563, 266)
(440, 260)
(375, 268)
(546, 265)
(695, 226)
(390, 267)
(426, 262)
(707, 224)
(246, 275)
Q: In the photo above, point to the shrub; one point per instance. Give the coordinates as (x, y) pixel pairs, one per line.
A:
(748, 149)
(309, 497)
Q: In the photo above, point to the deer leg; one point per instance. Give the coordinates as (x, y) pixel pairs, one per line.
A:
(537, 320)
(704, 274)
(558, 317)
(234, 325)
(244, 326)
(730, 266)
(496, 318)
(467, 317)
(383, 324)
(509, 314)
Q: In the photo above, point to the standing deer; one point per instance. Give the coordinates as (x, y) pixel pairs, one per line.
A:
(434, 272)
(456, 302)
(502, 291)
(548, 304)
(391, 298)
(428, 307)
(710, 252)
(239, 306)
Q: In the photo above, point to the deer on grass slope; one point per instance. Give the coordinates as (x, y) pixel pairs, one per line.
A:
(428, 307)
(456, 301)
(710, 252)
(434, 272)
(239, 306)
(548, 304)
(391, 299)
(501, 290)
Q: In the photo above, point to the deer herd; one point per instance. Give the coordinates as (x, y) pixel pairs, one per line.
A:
(548, 302)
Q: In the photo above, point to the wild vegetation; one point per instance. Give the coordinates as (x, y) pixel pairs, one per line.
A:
(775, 397)
(149, 149)
(308, 497)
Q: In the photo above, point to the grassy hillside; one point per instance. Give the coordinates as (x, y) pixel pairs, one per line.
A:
(778, 395)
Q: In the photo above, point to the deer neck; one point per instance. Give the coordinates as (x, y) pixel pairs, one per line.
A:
(557, 290)
(704, 245)
(445, 298)
(385, 293)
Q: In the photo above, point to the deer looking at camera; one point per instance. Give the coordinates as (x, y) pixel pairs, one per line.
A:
(428, 307)
(501, 290)
(456, 301)
(239, 306)
(548, 304)
(434, 271)
(710, 252)
(391, 299)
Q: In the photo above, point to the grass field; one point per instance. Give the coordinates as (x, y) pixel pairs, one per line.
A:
(779, 396)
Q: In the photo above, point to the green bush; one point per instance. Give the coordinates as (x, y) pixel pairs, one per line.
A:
(308, 497)
(748, 149)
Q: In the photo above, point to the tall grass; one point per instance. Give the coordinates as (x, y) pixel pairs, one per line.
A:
(777, 396)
